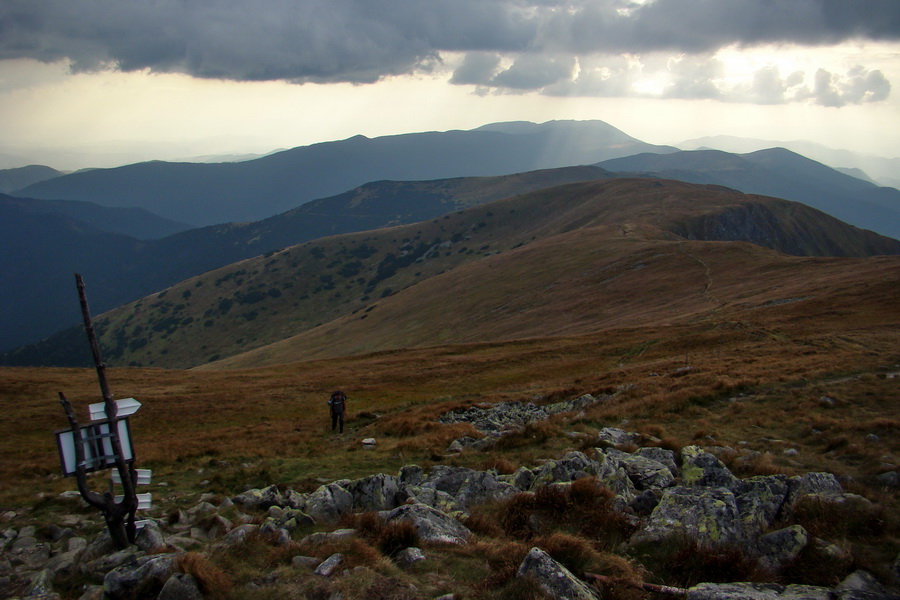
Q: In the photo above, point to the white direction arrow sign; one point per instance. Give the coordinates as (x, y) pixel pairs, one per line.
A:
(124, 407)
(143, 476)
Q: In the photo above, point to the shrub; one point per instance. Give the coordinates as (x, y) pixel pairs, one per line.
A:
(212, 581)
(397, 536)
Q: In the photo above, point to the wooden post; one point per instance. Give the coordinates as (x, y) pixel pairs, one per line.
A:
(115, 513)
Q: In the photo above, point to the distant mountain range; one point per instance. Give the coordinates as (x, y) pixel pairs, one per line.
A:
(207, 194)
(878, 169)
(780, 173)
(562, 260)
(44, 247)
(126, 253)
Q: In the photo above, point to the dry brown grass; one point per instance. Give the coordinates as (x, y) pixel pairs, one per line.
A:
(212, 581)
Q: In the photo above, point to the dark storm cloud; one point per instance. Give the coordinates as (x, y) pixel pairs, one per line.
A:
(363, 40)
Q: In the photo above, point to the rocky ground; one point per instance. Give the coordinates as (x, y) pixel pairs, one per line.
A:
(659, 493)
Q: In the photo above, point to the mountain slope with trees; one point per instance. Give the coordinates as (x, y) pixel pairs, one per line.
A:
(566, 260)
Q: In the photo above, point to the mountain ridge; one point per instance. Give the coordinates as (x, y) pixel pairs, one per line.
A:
(338, 279)
(206, 194)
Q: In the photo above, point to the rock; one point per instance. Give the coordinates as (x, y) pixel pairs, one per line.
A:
(660, 455)
(482, 486)
(369, 442)
(150, 537)
(890, 480)
(818, 484)
(323, 537)
(613, 475)
(411, 475)
(327, 568)
(522, 479)
(499, 417)
(41, 585)
(702, 468)
(431, 524)
(780, 547)
(239, 534)
(644, 472)
(329, 502)
(735, 591)
(144, 577)
(180, 586)
(805, 592)
(375, 492)
(260, 499)
(409, 556)
(572, 466)
(556, 580)
(861, 585)
(617, 437)
(63, 565)
(644, 503)
(709, 515)
(759, 500)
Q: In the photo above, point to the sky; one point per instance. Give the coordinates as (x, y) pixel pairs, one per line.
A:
(93, 83)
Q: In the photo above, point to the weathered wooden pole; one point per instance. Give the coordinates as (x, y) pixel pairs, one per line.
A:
(115, 513)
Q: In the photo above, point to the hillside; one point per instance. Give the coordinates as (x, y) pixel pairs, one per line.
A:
(569, 260)
(38, 302)
(780, 173)
(207, 194)
(18, 178)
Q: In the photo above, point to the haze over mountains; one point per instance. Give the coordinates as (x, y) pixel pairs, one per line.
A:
(125, 254)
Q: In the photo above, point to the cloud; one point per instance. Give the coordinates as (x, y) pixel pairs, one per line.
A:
(856, 87)
(362, 41)
(530, 72)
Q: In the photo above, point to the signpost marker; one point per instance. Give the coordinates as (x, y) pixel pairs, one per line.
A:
(102, 444)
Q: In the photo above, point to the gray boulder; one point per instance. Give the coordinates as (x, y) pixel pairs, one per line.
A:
(150, 537)
(375, 492)
(180, 586)
(617, 437)
(815, 484)
(805, 592)
(644, 472)
(660, 455)
(260, 499)
(431, 524)
(144, 577)
(572, 466)
(329, 502)
(409, 556)
(709, 515)
(702, 468)
(862, 585)
(331, 564)
(759, 501)
(556, 580)
(780, 547)
(735, 591)
(482, 486)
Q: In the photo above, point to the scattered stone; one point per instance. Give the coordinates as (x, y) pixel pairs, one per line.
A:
(327, 568)
(891, 479)
(180, 586)
(735, 591)
(431, 524)
(780, 547)
(702, 468)
(146, 575)
(709, 515)
(368, 442)
(409, 556)
(617, 437)
(305, 562)
(556, 580)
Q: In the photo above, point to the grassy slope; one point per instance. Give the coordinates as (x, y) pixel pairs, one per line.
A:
(503, 253)
(615, 307)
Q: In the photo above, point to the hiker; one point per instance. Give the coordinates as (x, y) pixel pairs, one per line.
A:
(338, 404)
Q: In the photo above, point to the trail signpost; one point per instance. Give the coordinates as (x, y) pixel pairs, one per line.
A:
(104, 443)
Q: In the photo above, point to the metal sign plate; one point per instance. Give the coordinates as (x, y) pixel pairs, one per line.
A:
(98, 450)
